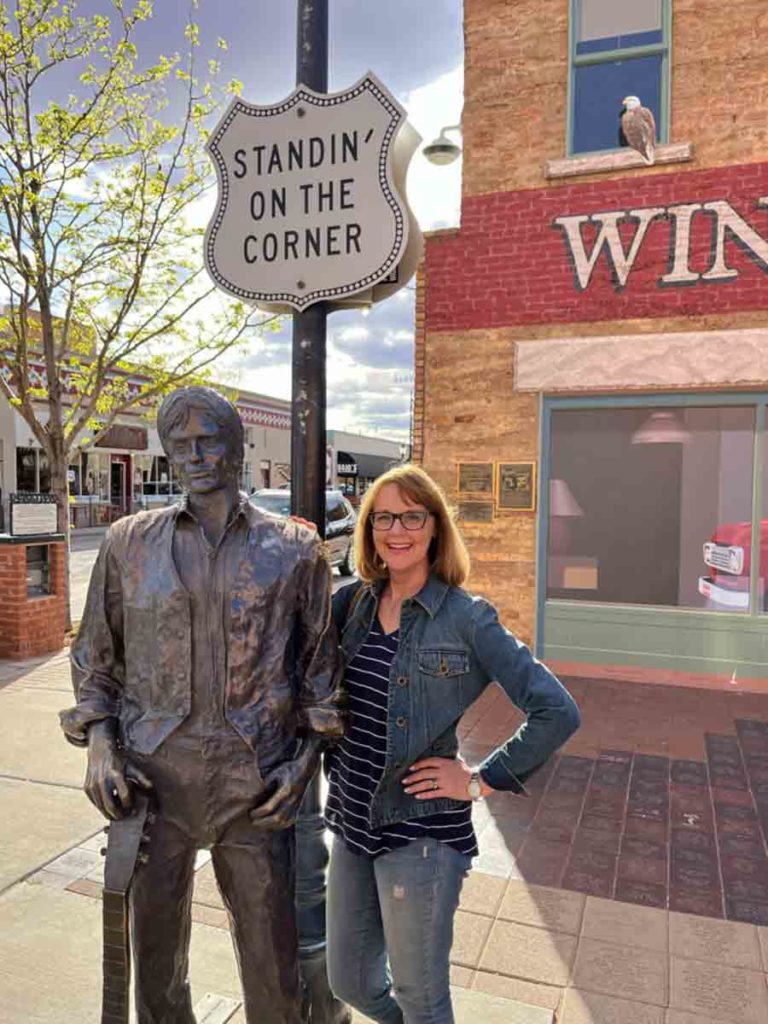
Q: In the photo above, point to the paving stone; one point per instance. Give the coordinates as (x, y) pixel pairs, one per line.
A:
(708, 903)
(461, 976)
(580, 1007)
(642, 893)
(712, 990)
(682, 1017)
(47, 821)
(656, 831)
(548, 996)
(541, 907)
(611, 921)
(622, 971)
(750, 911)
(472, 1006)
(689, 773)
(722, 942)
(542, 862)
(470, 932)
(529, 953)
(762, 935)
(589, 839)
(481, 893)
(212, 916)
(643, 869)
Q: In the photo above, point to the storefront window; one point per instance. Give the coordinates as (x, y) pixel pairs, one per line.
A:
(159, 478)
(45, 472)
(26, 469)
(651, 506)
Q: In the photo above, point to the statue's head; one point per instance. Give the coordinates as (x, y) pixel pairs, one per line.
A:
(202, 434)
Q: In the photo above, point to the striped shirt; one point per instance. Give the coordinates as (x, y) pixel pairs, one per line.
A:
(358, 764)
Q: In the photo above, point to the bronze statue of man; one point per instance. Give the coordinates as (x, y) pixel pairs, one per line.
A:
(205, 668)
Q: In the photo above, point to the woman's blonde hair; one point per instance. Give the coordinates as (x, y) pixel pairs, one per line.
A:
(448, 556)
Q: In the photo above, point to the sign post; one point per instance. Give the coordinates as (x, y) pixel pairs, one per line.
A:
(308, 500)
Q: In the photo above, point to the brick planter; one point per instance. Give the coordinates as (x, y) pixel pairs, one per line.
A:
(30, 624)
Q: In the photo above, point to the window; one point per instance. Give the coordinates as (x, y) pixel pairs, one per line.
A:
(651, 506)
(619, 48)
(158, 479)
(26, 469)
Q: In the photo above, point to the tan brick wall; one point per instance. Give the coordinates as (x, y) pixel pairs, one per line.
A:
(516, 85)
(475, 417)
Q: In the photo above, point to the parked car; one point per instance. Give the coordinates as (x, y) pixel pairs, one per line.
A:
(340, 519)
(728, 556)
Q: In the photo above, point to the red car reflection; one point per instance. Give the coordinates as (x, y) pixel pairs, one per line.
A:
(728, 556)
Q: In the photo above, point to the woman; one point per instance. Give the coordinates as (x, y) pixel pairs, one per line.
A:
(417, 651)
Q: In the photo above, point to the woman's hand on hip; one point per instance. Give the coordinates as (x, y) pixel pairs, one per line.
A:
(440, 777)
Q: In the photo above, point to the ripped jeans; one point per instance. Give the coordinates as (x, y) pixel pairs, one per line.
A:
(390, 930)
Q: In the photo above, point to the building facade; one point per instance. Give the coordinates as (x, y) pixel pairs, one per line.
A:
(355, 460)
(126, 470)
(592, 343)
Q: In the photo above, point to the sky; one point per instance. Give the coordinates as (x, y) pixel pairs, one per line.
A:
(416, 48)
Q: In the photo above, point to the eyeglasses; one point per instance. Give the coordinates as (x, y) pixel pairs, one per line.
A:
(386, 520)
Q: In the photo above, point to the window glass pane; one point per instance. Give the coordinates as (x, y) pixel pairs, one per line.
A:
(651, 506)
(335, 510)
(614, 24)
(598, 92)
(45, 472)
(25, 469)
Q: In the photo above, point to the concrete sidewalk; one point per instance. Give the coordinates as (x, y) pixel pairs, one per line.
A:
(523, 953)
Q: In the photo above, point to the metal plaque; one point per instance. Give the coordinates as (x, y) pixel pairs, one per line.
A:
(475, 511)
(516, 486)
(475, 478)
(308, 207)
(33, 514)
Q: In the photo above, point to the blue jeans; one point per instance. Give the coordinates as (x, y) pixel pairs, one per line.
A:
(390, 930)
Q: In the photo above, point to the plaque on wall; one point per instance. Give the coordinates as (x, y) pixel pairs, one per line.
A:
(475, 478)
(475, 511)
(119, 435)
(33, 514)
(516, 486)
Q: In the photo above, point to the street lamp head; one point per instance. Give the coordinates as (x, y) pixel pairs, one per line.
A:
(442, 151)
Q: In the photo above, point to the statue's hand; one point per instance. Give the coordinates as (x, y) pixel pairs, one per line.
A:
(108, 775)
(285, 787)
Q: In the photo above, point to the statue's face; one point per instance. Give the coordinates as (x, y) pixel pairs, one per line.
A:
(200, 454)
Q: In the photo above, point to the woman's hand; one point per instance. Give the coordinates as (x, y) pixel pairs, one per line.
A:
(303, 522)
(436, 777)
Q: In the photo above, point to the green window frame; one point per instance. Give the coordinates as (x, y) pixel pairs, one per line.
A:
(576, 60)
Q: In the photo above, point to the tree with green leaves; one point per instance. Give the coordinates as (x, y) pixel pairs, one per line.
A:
(102, 177)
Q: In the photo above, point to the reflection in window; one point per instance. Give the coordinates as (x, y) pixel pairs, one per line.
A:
(619, 50)
(651, 506)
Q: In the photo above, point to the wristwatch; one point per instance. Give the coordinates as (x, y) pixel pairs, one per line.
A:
(474, 786)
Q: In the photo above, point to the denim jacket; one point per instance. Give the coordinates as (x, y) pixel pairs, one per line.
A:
(452, 646)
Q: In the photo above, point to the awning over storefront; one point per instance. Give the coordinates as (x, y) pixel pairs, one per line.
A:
(346, 464)
(371, 466)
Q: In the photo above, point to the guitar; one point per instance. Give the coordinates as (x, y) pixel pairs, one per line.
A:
(125, 837)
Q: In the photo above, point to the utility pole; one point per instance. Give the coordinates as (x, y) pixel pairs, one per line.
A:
(308, 501)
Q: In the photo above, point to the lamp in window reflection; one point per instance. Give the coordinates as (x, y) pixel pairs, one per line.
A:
(563, 507)
(661, 427)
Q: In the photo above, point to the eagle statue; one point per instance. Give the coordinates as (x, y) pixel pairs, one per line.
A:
(638, 127)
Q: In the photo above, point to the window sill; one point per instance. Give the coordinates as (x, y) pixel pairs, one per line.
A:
(617, 160)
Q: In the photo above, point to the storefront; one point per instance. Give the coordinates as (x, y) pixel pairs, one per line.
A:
(592, 348)
(354, 461)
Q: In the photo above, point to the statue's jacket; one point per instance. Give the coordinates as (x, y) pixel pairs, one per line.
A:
(132, 656)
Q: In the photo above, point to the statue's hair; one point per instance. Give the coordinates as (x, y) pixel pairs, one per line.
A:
(176, 407)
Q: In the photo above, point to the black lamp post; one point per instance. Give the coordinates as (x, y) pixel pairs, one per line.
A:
(308, 501)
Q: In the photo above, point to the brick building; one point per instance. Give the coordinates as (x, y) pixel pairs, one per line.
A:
(592, 343)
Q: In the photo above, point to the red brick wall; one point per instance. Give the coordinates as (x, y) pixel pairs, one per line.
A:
(30, 626)
(509, 265)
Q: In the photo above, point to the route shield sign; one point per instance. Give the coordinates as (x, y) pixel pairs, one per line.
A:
(308, 207)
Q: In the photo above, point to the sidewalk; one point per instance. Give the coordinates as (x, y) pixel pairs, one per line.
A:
(524, 953)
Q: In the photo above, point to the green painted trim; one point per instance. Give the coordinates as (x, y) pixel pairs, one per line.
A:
(678, 639)
(581, 59)
(542, 526)
(663, 398)
(757, 512)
